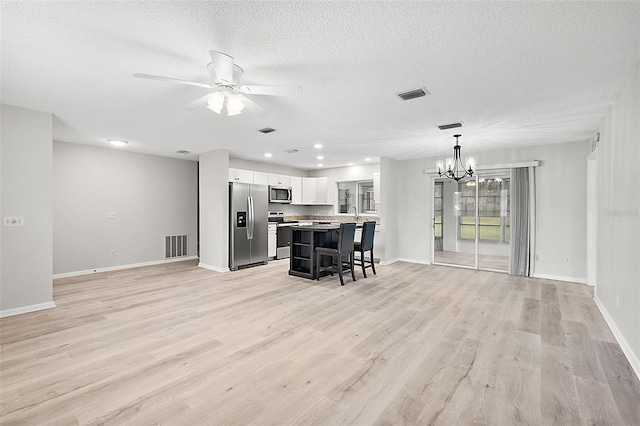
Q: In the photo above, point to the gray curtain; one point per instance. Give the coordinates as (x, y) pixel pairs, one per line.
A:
(520, 223)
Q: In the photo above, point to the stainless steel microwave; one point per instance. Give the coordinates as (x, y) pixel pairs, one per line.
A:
(280, 194)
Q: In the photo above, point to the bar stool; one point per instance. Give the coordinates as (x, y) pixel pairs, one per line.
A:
(366, 244)
(344, 249)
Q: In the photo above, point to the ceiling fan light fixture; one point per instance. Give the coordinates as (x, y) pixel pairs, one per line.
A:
(234, 105)
(216, 102)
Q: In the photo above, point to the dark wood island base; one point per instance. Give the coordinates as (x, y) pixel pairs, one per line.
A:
(304, 240)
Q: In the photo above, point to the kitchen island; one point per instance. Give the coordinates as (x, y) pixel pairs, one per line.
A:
(304, 240)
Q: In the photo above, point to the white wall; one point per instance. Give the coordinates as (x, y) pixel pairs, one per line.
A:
(151, 196)
(391, 201)
(618, 270)
(26, 254)
(214, 210)
(343, 174)
(266, 167)
(561, 204)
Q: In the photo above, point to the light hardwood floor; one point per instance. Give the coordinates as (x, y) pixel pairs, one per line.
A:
(179, 345)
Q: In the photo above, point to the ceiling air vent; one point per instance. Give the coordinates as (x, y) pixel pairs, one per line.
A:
(412, 94)
(291, 151)
(182, 151)
(267, 130)
(449, 126)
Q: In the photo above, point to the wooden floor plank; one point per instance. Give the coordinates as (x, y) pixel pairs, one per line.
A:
(176, 344)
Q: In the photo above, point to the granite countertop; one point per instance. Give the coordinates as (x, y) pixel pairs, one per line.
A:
(317, 227)
(336, 218)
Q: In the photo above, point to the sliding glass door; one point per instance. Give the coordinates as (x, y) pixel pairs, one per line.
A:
(471, 222)
(454, 222)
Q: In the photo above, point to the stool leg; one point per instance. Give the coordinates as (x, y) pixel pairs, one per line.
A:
(353, 266)
(317, 266)
(373, 265)
(362, 263)
(340, 269)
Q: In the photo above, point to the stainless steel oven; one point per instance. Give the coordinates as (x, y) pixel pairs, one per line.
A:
(280, 194)
(283, 233)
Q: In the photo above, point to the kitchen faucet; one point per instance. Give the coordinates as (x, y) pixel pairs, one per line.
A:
(356, 210)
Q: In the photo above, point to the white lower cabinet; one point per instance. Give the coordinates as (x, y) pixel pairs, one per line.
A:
(273, 240)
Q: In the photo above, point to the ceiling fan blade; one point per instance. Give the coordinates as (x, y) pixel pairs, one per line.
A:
(175, 80)
(221, 67)
(272, 90)
(253, 107)
(199, 103)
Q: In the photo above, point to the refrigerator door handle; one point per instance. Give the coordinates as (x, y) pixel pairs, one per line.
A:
(251, 218)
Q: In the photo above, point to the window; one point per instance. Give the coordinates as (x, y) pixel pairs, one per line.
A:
(437, 209)
(494, 212)
(358, 194)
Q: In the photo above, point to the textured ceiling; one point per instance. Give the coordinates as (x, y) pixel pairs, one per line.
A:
(516, 73)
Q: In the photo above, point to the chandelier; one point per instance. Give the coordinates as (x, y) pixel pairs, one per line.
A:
(454, 168)
(219, 100)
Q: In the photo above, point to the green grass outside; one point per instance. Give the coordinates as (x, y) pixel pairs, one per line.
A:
(489, 229)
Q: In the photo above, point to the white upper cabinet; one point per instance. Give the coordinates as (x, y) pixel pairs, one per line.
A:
(296, 190)
(239, 175)
(279, 180)
(261, 178)
(309, 195)
(324, 191)
(317, 191)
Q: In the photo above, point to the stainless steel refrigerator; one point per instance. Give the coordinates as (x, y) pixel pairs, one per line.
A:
(248, 225)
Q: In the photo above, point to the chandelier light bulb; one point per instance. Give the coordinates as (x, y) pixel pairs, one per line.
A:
(455, 169)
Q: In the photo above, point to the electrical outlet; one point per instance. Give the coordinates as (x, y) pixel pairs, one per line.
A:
(566, 260)
(113, 253)
(111, 215)
(13, 221)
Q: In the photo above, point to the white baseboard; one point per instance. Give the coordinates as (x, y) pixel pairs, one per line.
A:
(631, 356)
(116, 268)
(26, 309)
(388, 262)
(420, 261)
(212, 268)
(560, 278)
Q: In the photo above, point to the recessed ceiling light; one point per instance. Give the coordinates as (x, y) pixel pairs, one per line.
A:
(117, 142)
(268, 154)
(350, 164)
(367, 159)
(319, 165)
(320, 157)
(318, 146)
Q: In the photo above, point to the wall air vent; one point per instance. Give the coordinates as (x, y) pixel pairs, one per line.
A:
(449, 126)
(412, 94)
(175, 246)
(291, 151)
(267, 130)
(182, 151)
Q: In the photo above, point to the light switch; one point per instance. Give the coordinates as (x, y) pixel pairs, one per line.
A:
(13, 221)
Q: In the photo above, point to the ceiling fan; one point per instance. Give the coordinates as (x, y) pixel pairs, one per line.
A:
(228, 95)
